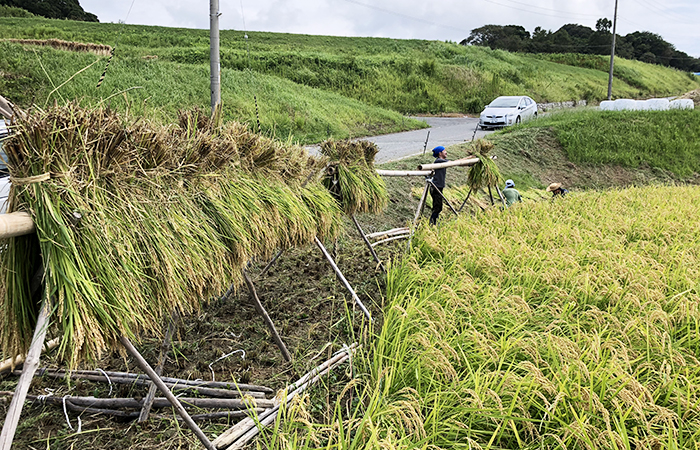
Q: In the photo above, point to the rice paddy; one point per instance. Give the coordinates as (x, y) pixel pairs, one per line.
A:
(571, 324)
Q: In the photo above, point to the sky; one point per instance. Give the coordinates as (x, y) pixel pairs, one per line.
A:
(677, 21)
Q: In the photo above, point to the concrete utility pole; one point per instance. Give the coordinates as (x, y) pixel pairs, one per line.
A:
(215, 65)
(612, 54)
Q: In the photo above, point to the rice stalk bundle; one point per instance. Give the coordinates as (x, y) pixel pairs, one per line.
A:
(351, 177)
(134, 221)
(485, 173)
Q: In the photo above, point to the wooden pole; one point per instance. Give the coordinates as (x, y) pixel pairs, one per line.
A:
(393, 238)
(19, 359)
(143, 364)
(369, 246)
(443, 197)
(391, 232)
(271, 263)
(266, 317)
(491, 196)
(500, 194)
(30, 365)
(15, 224)
(342, 279)
(465, 200)
(164, 348)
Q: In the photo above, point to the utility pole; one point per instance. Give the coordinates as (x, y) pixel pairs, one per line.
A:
(214, 62)
(612, 54)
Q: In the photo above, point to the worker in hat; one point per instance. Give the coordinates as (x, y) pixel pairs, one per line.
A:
(511, 194)
(556, 189)
(440, 155)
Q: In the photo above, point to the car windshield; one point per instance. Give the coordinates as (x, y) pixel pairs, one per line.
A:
(505, 102)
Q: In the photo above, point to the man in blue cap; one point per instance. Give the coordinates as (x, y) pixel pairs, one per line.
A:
(440, 155)
(511, 194)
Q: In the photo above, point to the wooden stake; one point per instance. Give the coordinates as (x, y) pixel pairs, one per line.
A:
(271, 263)
(465, 200)
(143, 364)
(266, 317)
(491, 196)
(342, 278)
(30, 365)
(164, 348)
(369, 246)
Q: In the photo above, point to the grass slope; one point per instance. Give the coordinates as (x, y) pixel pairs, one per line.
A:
(408, 76)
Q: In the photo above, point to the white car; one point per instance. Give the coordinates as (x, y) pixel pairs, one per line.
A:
(507, 110)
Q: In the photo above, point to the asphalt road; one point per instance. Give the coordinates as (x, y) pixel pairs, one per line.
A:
(444, 131)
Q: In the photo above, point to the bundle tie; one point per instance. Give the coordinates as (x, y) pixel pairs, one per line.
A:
(31, 180)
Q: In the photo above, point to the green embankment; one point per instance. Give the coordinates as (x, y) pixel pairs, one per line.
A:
(288, 72)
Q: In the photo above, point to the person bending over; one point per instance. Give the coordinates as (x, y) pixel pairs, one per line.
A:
(511, 194)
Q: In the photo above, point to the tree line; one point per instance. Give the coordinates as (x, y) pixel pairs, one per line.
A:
(53, 9)
(573, 38)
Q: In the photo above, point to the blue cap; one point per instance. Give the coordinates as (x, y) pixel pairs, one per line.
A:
(437, 150)
(510, 184)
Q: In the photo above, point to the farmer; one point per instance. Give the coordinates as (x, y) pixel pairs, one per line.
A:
(556, 189)
(511, 194)
(440, 155)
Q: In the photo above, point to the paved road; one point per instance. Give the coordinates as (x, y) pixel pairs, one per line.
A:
(444, 131)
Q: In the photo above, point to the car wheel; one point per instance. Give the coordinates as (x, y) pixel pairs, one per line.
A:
(517, 120)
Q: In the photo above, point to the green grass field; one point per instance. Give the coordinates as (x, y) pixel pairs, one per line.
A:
(306, 87)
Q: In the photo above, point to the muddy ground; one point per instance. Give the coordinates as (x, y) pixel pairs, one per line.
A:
(310, 308)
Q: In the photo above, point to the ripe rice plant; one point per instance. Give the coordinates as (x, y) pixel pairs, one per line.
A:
(351, 177)
(571, 324)
(134, 221)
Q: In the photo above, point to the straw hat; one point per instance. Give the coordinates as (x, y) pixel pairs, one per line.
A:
(553, 187)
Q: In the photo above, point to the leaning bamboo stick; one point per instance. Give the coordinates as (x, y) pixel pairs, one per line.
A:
(9, 363)
(343, 279)
(169, 395)
(15, 224)
(367, 243)
(164, 348)
(404, 173)
(266, 317)
(455, 163)
(31, 363)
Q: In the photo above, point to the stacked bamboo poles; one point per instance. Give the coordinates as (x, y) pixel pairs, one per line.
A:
(134, 221)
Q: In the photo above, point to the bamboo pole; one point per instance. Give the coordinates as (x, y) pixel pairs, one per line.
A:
(404, 173)
(58, 373)
(342, 278)
(161, 402)
(364, 238)
(210, 392)
(393, 238)
(444, 198)
(456, 163)
(391, 232)
(15, 224)
(266, 317)
(421, 205)
(9, 363)
(491, 196)
(271, 263)
(30, 365)
(164, 348)
(246, 429)
(465, 200)
(500, 194)
(169, 395)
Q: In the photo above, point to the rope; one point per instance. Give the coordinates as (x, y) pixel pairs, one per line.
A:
(222, 357)
(65, 414)
(108, 380)
(31, 180)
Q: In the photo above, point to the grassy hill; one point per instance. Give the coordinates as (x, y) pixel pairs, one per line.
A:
(306, 87)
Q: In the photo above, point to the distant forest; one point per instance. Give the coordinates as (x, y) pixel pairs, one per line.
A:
(572, 38)
(52, 9)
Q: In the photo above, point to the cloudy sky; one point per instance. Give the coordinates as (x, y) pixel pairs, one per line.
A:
(677, 21)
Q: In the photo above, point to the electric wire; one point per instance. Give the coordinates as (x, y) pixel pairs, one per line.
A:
(114, 49)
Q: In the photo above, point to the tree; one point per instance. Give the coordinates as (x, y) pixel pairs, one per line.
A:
(53, 9)
(509, 37)
(603, 25)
